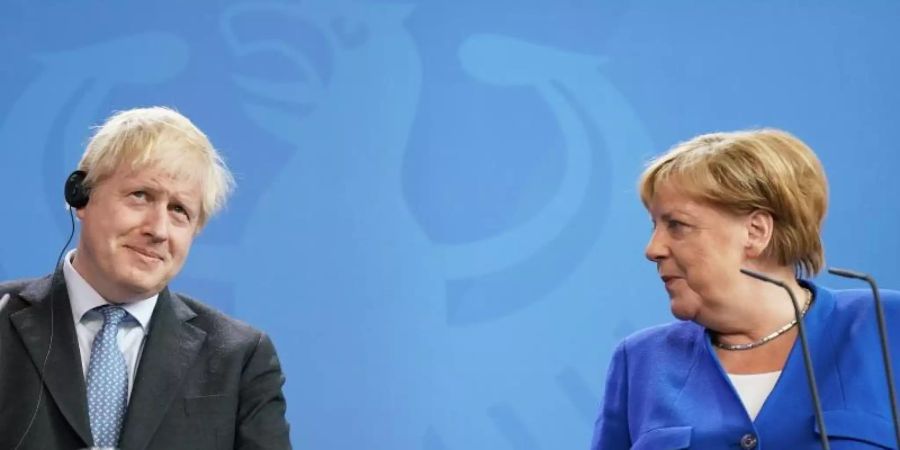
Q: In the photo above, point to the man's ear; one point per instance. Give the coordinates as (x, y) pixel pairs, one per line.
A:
(760, 226)
(79, 213)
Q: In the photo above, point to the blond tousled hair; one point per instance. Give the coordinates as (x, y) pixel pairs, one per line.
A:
(744, 171)
(162, 138)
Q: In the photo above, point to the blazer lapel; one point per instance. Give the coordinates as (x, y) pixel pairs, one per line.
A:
(171, 348)
(63, 373)
(707, 392)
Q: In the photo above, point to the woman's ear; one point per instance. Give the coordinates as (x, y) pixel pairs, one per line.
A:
(760, 226)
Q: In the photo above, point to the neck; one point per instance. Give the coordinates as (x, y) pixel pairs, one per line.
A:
(759, 308)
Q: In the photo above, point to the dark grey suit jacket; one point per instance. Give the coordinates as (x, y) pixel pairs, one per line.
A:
(204, 381)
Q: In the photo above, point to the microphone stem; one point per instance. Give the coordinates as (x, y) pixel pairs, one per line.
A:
(886, 356)
(807, 361)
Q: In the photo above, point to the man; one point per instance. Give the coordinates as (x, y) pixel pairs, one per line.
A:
(101, 353)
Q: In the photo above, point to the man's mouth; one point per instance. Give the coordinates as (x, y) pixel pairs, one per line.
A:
(145, 252)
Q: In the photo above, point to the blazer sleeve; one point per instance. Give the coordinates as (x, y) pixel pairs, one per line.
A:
(261, 423)
(611, 428)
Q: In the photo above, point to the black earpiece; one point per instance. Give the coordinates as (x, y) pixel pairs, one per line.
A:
(77, 194)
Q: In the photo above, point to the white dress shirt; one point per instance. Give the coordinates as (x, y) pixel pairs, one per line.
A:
(83, 299)
(754, 389)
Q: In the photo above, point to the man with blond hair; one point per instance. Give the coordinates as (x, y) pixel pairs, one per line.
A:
(100, 353)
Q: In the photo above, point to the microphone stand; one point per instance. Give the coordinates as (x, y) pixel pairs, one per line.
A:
(807, 360)
(882, 334)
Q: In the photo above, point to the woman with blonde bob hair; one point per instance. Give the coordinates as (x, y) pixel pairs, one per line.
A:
(729, 374)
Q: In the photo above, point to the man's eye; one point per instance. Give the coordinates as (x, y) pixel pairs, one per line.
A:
(180, 210)
(140, 195)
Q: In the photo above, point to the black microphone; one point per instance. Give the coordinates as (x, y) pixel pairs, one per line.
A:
(882, 334)
(807, 360)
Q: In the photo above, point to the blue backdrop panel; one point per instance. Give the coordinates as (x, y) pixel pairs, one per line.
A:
(436, 217)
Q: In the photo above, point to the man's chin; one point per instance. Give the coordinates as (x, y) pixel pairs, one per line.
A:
(141, 291)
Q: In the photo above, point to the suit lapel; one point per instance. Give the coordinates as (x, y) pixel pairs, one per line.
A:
(170, 350)
(63, 374)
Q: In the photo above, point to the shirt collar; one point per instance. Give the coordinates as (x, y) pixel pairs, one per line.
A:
(83, 297)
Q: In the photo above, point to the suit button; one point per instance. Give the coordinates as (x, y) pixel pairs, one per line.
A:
(748, 441)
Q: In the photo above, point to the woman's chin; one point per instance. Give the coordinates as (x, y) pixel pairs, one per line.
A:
(682, 310)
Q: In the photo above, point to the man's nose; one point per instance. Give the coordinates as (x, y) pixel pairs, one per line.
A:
(156, 223)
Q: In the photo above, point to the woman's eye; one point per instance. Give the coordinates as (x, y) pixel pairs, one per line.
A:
(675, 225)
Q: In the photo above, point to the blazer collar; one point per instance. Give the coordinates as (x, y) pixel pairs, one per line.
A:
(817, 318)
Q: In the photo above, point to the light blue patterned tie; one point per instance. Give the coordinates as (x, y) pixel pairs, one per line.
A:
(107, 380)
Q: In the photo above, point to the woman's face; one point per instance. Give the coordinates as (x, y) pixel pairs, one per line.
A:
(698, 250)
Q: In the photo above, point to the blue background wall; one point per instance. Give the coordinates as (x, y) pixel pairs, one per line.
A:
(436, 217)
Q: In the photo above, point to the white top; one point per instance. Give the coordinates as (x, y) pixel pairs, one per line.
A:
(754, 389)
(83, 298)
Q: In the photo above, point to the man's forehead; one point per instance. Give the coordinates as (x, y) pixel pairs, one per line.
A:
(163, 180)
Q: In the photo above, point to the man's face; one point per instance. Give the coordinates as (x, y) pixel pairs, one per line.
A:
(136, 232)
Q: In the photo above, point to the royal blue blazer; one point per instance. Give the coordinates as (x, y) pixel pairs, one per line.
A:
(667, 390)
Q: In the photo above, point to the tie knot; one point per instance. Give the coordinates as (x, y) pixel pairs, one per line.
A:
(112, 315)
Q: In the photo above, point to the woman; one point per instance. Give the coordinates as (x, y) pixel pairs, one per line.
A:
(731, 373)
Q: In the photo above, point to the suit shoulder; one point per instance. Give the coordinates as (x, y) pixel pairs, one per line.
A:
(15, 294)
(219, 325)
(663, 342)
(667, 333)
(13, 287)
(861, 301)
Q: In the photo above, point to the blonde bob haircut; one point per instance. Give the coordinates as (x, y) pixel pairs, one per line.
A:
(745, 171)
(161, 138)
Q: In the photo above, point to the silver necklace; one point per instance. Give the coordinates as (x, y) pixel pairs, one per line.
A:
(768, 338)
